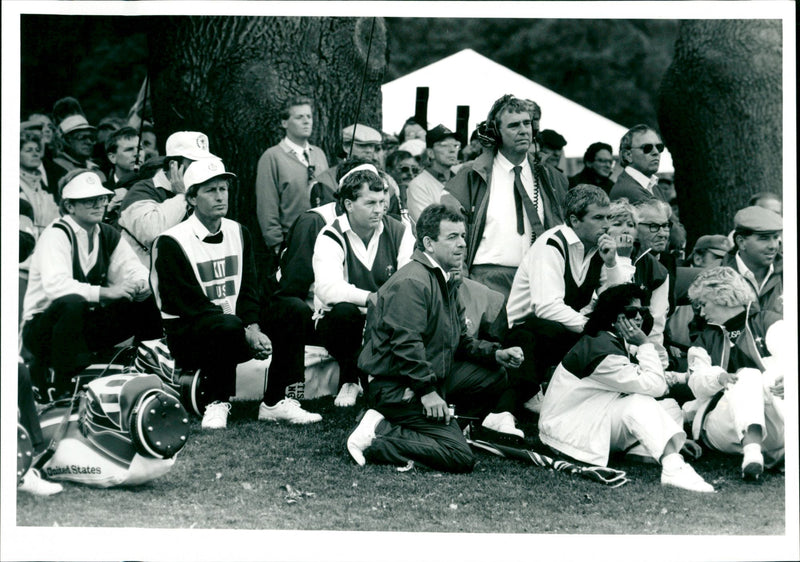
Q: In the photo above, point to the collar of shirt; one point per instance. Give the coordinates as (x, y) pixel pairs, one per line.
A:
(575, 242)
(297, 149)
(441, 177)
(506, 165)
(435, 264)
(79, 230)
(198, 229)
(344, 224)
(750, 276)
(640, 178)
(161, 180)
(43, 172)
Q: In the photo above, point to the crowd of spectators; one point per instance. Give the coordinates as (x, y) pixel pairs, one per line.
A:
(439, 272)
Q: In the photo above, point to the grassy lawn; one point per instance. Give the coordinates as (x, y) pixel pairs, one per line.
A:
(237, 479)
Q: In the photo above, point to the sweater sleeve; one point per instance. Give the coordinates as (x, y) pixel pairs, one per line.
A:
(620, 374)
(268, 200)
(146, 218)
(178, 292)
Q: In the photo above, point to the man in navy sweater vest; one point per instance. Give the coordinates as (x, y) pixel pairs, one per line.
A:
(353, 257)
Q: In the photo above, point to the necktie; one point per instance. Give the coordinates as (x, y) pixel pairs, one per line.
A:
(306, 158)
(652, 184)
(531, 207)
(213, 238)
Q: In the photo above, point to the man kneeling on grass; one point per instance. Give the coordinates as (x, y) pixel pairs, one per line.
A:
(204, 278)
(419, 359)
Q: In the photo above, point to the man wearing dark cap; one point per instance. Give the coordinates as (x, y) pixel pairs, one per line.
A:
(757, 234)
(505, 182)
(427, 187)
(205, 283)
(709, 250)
(551, 148)
(598, 163)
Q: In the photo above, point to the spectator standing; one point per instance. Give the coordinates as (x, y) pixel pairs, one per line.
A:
(122, 147)
(551, 148)
(403, 167)
(598, 163)
(505, 183)
(640, 155)
(31, 187)
(284, 175)
(426, 188)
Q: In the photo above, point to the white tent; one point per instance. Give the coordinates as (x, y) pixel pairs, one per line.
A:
(468, 78)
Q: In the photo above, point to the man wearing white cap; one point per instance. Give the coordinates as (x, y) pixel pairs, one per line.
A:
(205, 283)
(87, 290)
(284, 174)
(79, 137)
(153, 205)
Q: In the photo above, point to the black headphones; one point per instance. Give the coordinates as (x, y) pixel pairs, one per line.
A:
(487, 131)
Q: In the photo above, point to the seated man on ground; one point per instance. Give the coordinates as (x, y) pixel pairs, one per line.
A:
(602, 397)
(87, 291)
(553, 288)
(353, 256)
(205, 282)
(739, 407)
(420, 359)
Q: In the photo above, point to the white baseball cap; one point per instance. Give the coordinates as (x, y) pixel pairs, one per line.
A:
(75, 123)
(84, 186)
(189, 144)
(200, 171)
(415, 147)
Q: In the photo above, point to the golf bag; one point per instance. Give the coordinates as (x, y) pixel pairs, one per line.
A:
(122, 430)
(153, 356)
(24, 451)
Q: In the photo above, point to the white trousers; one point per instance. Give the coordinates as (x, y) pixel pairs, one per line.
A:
(644, 420)
(741, 406)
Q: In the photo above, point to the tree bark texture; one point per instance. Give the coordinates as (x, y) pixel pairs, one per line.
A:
(230, 76)
(720, 114)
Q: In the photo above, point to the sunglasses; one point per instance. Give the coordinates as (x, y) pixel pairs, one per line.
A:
(99, 201)
(413, 170)
(648, 148)
(632, 311)
(654, 227)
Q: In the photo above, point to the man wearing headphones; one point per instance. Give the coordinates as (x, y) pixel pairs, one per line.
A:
(503, 183)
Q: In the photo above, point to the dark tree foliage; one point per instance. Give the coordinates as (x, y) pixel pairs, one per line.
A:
(721, 115)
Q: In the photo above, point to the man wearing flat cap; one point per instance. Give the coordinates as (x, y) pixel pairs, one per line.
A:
(426, 188)
(205, 283)
(87, 290)
(152, 205)
(756, 256)
(284, 175)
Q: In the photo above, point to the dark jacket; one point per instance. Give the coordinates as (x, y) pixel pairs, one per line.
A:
(417, 329)
(771, 296)
(587, 175)
(468, 193)
(632, 190)
(748, 349)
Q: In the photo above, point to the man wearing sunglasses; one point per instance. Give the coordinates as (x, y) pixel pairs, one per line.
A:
(87, 289)
(426, 188)
(79, 138)
(640, 154)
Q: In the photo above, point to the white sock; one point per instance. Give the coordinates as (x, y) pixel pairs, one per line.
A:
(672, 462)
(752, 448)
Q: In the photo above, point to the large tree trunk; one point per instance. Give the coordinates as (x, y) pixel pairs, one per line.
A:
(229, 77)
(720, 115)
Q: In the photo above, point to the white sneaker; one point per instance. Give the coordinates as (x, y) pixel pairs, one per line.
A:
(363, 436)
(216, 415)
(502, 423)
(348, 394)
(535, 403)
(686, 478)
(33, 483)
(752, 464)
(288, 410)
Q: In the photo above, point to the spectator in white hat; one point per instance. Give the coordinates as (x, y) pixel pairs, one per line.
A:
(87, 290)
(206, 287)
(153, 205)
(78, 138)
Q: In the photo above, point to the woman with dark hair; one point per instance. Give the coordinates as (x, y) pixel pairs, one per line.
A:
(602, 397)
